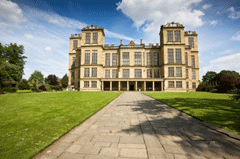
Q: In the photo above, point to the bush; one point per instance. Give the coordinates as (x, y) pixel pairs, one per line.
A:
(9, 89)
(23, 85)
(24, 91)
(52, 87)
(234, 91)
(42, 87)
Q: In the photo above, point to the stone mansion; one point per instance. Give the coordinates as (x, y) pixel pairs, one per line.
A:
(172, 66)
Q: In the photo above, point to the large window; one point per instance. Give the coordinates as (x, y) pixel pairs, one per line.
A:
(179, 71)
(126, 73)
(138, 73)
(193, 74)
(95, 38)
(193, 61)
(138, 58)
(125, 58)
(86, 84)
(87, 56)
(94, 84)
(190, 42)
(114, 59)
(193, 85)
(73, 75)
(156, 60)
(170, 36)
(94, 72)
(186, 73)
(114, 73)
(186, 58)
(149, 59)
(87, 38)
(170, 56)
(86, 72)
(187, 85)
(107, 73)
(170, 84)
(178, 56)
(179, 84)
(177, 36)
(149, 73)
(170, 71)
(156, 73)
(75, 44)
(107, 59)
(94, 56)
(73, 62)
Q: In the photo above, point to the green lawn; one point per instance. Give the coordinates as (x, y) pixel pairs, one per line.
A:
(30, 122)
(217, 109)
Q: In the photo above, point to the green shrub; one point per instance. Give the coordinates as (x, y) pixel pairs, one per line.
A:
(52, 87)
(42, 87)
(211, 89)
(9, 89)
(24, 91)
(234, 91)
(23, 85)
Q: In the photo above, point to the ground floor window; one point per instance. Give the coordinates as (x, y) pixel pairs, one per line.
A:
(193, 85)
(171, 84)
(179, 84)
(187, 85)
(86, 84)
(94, 84)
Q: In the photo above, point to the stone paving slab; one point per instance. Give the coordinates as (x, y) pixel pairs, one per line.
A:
(135, 126)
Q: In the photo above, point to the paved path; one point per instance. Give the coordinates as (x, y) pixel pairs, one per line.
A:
(137, 126)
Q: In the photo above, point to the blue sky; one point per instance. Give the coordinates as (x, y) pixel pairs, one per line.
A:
(44, 28)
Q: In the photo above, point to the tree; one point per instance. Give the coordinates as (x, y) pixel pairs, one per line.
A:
(227, 83)
(210, 75)
(64, 81)
(13, 54)
(23, 85)
(36, 76)
(228, 72)
(52, 80)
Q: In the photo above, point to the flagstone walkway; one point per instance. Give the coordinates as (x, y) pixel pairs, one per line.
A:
(135, 126)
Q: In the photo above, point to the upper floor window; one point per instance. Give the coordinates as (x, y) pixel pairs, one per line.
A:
(179, 71)
(156, 60)
(87, 56)
(156, 73)
(170, 36)
(186, 73)
(114, 59)
(193, 61)
(87, 38)
(178, 56)
(107, 59)
(79, 60)
(94, 72)
(95, 38)
(94, 56)
(186, 58)
(126, 73)
(138, 73)
(177, 36)
(149, 59)
(94, 84)
(170, 56)
(125, 58)
(138, 58)
(107, 73)
(193, 74)
(170, 84)
(179, 84)
(86, 72)
(114, 73)
(73, 62)
(149, 73)
(73, 75)
(75, 44)
(193, 85)
(170, 71)
(190, 42)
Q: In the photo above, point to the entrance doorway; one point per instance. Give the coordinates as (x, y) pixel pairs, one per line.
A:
(131, 86)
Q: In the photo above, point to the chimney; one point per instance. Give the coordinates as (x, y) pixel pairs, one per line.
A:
(141, 41)
(121, 42)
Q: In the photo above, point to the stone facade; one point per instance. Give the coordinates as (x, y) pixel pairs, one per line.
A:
(172, 66)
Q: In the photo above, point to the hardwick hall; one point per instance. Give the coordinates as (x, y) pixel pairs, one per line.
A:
(172, 66)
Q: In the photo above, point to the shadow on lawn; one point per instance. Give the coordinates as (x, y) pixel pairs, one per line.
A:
(175, 128)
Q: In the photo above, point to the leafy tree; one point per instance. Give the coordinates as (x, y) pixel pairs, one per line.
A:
(36, 76)
(52, 80)
(210, 75)
(23, 85)
(13, 55)
(227, 83)
(64, 81)
(228, 72)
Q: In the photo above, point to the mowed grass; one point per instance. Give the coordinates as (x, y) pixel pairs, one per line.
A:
(217, 109)
(30, 122)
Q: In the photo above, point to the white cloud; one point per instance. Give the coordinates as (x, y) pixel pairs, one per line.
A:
(10, 13)
(29, 36)
(206, 6)
(48, 49)
(116, 35)
(213, 22)
(233, 13)
(236, 37)
(230, 62)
